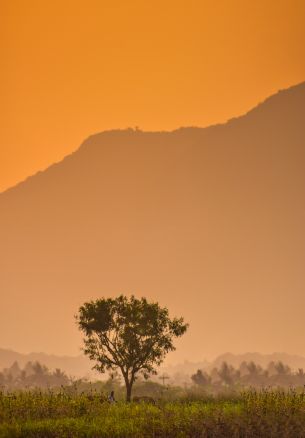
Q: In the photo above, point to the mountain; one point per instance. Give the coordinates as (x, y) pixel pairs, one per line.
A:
(207, 221)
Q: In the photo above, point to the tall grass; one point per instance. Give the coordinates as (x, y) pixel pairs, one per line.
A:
(251, 414)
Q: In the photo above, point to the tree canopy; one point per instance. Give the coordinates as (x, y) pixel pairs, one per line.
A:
(129, 334)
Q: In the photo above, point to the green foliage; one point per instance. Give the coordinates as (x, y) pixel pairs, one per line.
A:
(272, 414)
(131, 335)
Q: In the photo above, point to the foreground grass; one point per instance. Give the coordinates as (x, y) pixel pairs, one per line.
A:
(252, 414)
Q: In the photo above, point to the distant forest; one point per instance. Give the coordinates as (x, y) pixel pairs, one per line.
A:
(33, 375)
(248, 374)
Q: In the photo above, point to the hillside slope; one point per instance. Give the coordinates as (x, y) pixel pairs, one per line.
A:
(209, 222)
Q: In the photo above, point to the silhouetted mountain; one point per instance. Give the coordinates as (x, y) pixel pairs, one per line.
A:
(209, 222)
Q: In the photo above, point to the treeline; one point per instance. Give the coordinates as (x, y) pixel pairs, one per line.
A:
(37, 376)
(249, 374)
(33, 375)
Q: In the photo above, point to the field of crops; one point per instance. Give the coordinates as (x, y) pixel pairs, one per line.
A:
(252, 414)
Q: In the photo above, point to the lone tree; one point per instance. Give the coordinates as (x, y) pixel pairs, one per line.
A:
(132, 335)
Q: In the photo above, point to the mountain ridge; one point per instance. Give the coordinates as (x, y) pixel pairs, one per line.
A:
(207, 221)
(231, 120)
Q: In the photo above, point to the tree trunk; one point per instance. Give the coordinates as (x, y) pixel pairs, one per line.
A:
(128, 391)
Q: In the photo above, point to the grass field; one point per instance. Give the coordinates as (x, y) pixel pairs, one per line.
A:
(251, 414)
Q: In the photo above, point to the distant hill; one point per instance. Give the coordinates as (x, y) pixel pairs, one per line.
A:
(208, 221)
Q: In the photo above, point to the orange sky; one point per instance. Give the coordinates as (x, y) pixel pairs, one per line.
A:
(73, 68)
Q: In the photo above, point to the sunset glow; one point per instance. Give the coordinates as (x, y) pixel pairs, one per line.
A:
(71, 69)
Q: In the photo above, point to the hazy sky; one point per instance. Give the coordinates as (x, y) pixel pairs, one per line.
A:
(73, 68)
